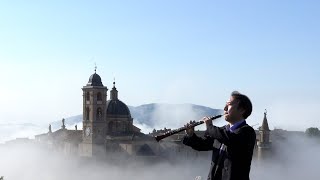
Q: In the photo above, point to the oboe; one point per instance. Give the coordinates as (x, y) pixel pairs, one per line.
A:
(169, 133)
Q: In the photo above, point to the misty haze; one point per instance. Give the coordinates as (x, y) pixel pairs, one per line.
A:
(291, 156)
(294, 159)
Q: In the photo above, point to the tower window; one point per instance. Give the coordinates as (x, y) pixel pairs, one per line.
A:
(124, 127)
(99, 96)
(99, 113)
(111, 129)
(117, 126)
(87, 113)
(88, 96)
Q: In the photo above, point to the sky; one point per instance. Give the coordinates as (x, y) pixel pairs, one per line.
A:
(161, 52)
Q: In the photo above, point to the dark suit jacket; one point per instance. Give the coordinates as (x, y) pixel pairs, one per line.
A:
(231, 161)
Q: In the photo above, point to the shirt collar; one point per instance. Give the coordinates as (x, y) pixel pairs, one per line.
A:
(236, 125)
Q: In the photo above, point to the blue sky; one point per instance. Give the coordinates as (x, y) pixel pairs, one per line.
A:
(161, 51)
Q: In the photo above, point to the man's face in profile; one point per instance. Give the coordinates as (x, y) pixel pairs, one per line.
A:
(232, 111)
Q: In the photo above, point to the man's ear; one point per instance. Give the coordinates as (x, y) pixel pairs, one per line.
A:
(242, 111)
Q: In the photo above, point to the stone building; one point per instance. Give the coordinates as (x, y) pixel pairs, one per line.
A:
(62, 140)
(107, 128)
(263, 140)
(108, 125)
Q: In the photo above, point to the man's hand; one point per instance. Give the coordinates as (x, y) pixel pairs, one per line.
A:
(189, 130)
(207, 120)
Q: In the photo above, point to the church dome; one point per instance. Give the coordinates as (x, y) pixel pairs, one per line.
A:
(117, 107)
(94, 80)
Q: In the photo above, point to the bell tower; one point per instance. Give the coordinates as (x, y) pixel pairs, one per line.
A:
(264, 144)
(94, 116)
(264, 140)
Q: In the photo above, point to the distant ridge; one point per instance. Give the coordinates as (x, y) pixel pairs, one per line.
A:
(151, 114)
(148, 113)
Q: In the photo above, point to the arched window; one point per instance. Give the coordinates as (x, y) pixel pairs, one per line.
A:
(99, 96)
(124, 127)
(117, 126)
(88, 96)
(110, 128)
(99, 113)
(87, 113)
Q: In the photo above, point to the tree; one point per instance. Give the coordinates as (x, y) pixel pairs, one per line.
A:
(313, 132)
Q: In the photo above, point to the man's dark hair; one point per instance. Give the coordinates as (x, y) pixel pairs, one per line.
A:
(244, 103)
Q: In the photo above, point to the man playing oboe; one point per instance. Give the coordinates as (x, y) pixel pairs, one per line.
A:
(231, 145)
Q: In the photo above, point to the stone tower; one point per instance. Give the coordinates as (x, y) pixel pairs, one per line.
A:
(94, 115)
(264, 144)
